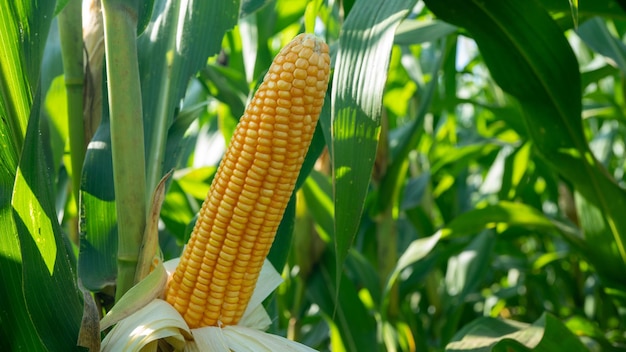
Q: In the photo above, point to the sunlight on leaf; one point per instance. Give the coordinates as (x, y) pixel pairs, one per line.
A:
(531, 59)
(490, 334)
(360, 74)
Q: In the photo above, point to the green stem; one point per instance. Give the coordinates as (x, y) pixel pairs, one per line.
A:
(70, 31)
(127, 136)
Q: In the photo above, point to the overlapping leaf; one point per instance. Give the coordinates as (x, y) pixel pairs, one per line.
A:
(530, 58)
(52, 298)
(175, 46)
(172, 48)
(34, 291)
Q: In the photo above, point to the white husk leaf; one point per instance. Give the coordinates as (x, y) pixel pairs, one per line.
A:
(159, 320)
(155, 321)
(243, 339)
(137, 297)
(256, 318)
(209, 338)
(240, 339)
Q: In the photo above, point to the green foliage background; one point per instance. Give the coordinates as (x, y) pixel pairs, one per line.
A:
(464, 189)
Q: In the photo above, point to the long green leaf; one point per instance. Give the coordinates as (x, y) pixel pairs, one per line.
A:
(408, 141)
(490, 334)
(356, 327)
(361, 66)
(175, 46)
(602, 253)
(530, 58)
(17, 331)
(317, 195)
(504, 212)
(24, 28)
(52, 297)
(604, 8)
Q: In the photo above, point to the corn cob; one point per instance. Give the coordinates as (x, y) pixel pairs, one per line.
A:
(236, 226)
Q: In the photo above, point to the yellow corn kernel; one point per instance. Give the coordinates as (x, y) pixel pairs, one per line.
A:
(236, 226)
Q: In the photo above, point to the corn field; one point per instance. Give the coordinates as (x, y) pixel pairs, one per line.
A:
(436, 175)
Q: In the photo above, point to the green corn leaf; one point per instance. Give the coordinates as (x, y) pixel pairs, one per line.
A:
(24, 28)
(597, 36)
(416, 32)
(20, 333)
(490, 334)
(97, 262)
(530, 58)
(317, 192)
(50, 291)
(604, 8)
(175, 45)
(512, 214)
(361, 66)
(466, 270)
(342, 308)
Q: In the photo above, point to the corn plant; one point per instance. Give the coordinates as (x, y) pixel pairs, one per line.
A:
(462, 190)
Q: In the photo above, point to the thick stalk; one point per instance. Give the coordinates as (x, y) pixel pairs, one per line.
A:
(127, 138)
(70, 31)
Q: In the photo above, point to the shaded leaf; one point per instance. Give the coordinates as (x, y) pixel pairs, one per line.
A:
(417, 250)
(317, 192)
(605, 8)
(282, 242)
(596, 35)
(97, 261)
(178, 210)
(251, 6)
(530, 58)
(466, 270)
(416, 32)
(603, 253)
(341, 306)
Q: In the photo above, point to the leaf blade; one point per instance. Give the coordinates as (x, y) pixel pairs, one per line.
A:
(50, 290)
(361, 66)
(530, 58)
